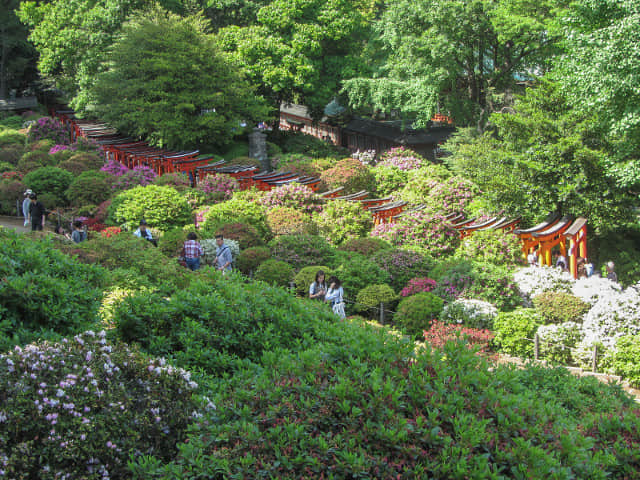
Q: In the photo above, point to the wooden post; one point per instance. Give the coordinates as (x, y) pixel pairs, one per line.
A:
(594, 359)
(536, 346)
(381, 313)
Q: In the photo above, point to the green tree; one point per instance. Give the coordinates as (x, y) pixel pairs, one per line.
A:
(301, 50)
(465, 57)
(167, 81)
(543, 157)
(17, 55)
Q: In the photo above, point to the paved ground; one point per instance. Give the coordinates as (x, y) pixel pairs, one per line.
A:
(17, 223)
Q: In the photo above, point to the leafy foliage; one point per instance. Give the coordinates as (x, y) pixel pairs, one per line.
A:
(515, 331)
(560, 307)
(356, 272)
(491, 246)
(90, 187)
(306, 276)
(350, 174)
(289, 221)
(251, 258)
(341, 220)
(415, 313)
(402, 266)
(236, 210)
(364, 245)
(302, 250)
(51, 180)
(371, 296)
(275, 272)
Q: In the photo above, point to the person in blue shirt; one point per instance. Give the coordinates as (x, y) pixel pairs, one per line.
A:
(318, 289)
(142, 232)
(335, 296)
(223, 255)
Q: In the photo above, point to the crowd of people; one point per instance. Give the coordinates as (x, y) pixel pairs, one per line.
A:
(584, 267)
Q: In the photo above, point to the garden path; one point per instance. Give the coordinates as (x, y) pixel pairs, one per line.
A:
(16, 223)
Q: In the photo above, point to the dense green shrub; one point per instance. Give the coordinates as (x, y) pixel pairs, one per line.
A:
(305, 277)
(220, 322)
(420, 182)
(350, 174)
(560, 307)
(236, 210)
(250, 259)
(13, 122)
(389, 179)
(12, 137)
(177, 180)
(452, 195)
(161, 207)
(370, 298)
(295, 196)
(90, 187)
(557, 341)
(366, 246)
(491, 246)
(10, 192)
(51, 180)
(625, 360)
(289, 221)
(356, 272)
(11, 153)
(415, 313)
(6, 166)
(246, 235)
(171, 241)
(297, 142)
(515, 331)
(341, 220)
(43, 290)
(275, 272)
(402, 266)
(302, 250)
(77, 409)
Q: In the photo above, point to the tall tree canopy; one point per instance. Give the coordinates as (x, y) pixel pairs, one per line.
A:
(17, 55)
(454, 54)
(300, 50)
(72, 37)
(166, 80)
(543, 157)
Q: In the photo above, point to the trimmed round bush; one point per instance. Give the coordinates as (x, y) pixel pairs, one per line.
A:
(389, 179)
(369, 298)
(421, 181)
(341, 220)
(366, 246)
(251, 258)
(295, 196)
(236, 210)
(305, 277)
(289, 221)
(560, 307)
(350, 174)
(417, 285)
(515, 330)
(275, 272)
(491, 246)
(11, 153)
(415, 313)
(302, 250)
(246, 235)
(402, 266)
(356, 272)
(51, 180)
(78, 408)
(452, 195)
(90, 187)
(161, 207)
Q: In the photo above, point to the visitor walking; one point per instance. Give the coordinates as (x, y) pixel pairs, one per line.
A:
(37, 213)
(78, 235)
(143, 232)
(318, 289)
(224, 258)
(611, 274)
(192, 251)
(532, 258)
(335, 296)
(25, 206)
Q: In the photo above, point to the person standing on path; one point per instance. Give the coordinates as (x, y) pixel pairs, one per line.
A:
(223, 255)
(25, 206)
(611, 274)
(192, 252)
(37, 213)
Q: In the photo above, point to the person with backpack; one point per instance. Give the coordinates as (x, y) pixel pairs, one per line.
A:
(78, 235)
(224, 259)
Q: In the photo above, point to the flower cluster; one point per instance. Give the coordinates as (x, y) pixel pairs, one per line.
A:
(557, 341)
(533, 281)
(114, 168)
(218, 186)
(136, 177)
(417, 285)
(49, 128)
(109, 232)
(366, 157)
(83, 405)
(470, 312)
(59, 148)
(452, 195)
(344, 172)
(293, 195)
(11, 175)
(439, 334)
(401, 162)
(594, 288)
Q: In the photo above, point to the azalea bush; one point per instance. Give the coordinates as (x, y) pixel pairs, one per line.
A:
(402, 265)
(90, 187)
(441, 333)
(289, 221)
(402, 159)
(452, 195)
(560, 307)
(295, 196)
(625, 360)
(78, 408)
(11, 189)
(235, 210)
(420, 182)
(341, 220)
(557, 341)
(177, 180)
(50, 180)
(349, 174)
(364, 245)
(302, 250)
(417, 285)
(115, 168)
(251, 258)
(356, 272)
(275, 272)
(415, 313)
(515, 330)
(218, 187)
(594, 288)
(371, 296)
(469, 312)
(50, 129)
(136, 177)
(389, 179)
(533, 281)
(246, 235)
(161, 207)
(492, 246)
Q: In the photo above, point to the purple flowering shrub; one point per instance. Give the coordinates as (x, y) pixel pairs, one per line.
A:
(79, 408)
(136, 177)
(114, 168)
(402, 159)
(177, 180)
(402, 266)
(49, 128)
(452, 195)
(293, 195)
(288, 221)
(59, 148)
(218, 187)
(417, 285)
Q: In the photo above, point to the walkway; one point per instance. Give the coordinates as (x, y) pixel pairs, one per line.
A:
(16, 223)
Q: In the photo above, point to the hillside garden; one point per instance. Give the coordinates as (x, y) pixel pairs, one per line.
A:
(97, 336)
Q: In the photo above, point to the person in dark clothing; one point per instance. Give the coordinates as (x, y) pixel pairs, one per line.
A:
(37, 213)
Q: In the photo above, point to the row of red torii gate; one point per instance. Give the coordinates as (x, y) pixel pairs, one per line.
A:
(569, 235)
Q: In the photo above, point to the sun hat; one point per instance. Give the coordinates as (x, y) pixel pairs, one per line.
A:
(28, 192)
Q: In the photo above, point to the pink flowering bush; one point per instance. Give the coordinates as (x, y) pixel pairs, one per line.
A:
(49, 128)
(402, 159)
(79, 408)
(493, 246)
(136, 177)
(402, 265)
(389, 179)
(218, 187)
(452, 195)
(417, 285)
(293, 195)
(114, 168)
(59, 148)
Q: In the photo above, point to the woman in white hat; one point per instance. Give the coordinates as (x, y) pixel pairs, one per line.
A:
(25, 206)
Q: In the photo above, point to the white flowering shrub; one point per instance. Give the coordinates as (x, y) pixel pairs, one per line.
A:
(209, 247)
(594, 288)
(472, 313)
(79, 408)
(533, 281)
(557, 341)
(613, 316)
